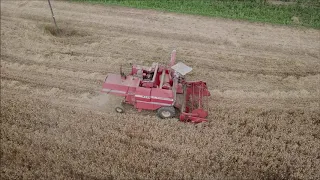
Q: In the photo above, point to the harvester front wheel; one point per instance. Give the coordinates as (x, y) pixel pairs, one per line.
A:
(166, 112)
(119, 109)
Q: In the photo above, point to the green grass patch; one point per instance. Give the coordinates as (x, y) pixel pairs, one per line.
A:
(300, 13)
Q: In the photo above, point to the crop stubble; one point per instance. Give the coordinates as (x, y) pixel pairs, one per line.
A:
(264, 79)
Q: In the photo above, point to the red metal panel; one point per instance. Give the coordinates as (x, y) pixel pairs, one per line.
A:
(142, 94)
(161, 97)
(157, 79)
(130, 99)
(114, 84)
(142, 98)
(115, 89)
(130, 81)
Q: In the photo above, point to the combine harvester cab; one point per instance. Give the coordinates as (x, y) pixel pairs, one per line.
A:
(162, 88)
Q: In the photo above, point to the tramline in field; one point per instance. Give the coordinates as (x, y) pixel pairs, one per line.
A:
(163, 88)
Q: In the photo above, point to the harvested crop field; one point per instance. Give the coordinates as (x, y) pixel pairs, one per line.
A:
(264, 110)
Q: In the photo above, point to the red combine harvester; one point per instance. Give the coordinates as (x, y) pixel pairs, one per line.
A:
(163, 88)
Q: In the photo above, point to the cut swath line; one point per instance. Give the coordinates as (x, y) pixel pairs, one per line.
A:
(52, 71)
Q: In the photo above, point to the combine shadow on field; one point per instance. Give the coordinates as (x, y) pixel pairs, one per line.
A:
(64, 31)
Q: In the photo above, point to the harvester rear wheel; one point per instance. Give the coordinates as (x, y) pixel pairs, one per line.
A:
(119, 109)
(166, 112)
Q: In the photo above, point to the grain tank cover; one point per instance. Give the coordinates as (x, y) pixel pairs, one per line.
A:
(181, 68)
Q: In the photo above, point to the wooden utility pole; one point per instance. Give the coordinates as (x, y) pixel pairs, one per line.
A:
(54, 20)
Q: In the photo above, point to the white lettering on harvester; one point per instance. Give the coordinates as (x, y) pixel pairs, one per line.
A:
(157, 103)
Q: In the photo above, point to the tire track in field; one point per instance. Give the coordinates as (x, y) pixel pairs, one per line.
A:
(276, 94)
(90, 68)
(53, 94)
(49, 91)
(42, 69)
(70, 84)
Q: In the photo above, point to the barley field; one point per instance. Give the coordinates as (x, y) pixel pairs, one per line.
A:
(264, 120)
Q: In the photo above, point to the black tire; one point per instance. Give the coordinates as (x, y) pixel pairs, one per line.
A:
(166, 112)
(119, 109)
